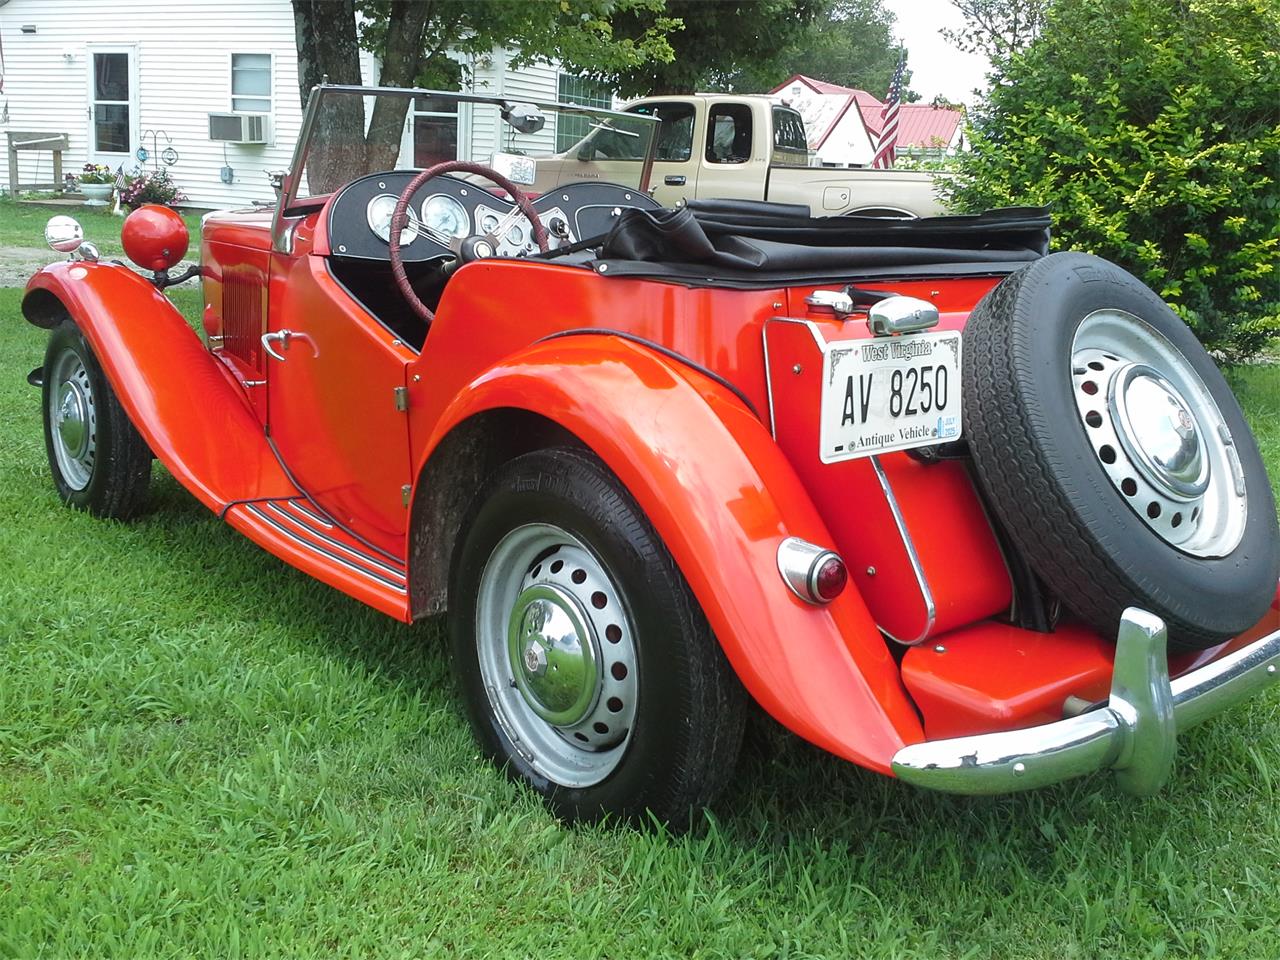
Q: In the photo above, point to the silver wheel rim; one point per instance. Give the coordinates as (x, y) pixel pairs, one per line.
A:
(73, 421)
(557, 655)
(1158, 434)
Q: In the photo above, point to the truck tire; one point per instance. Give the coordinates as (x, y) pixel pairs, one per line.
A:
(1115, 455)
(587, 669)
(99, 461)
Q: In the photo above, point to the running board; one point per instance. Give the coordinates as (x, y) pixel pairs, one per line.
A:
(301, 534)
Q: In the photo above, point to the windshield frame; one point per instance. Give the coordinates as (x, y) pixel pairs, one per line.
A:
(290, 208)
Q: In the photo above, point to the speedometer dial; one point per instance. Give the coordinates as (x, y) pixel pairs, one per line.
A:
(445, 215)
(378, 214)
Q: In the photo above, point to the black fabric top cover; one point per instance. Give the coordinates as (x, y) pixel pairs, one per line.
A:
(736, 236)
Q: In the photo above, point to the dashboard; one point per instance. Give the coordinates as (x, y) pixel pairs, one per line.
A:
(448, 208)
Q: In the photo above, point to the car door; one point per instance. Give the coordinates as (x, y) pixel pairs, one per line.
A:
(675, 167)
(733, 165)
(336, 401)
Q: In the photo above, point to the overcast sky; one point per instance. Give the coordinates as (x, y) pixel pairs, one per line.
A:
(936, 66)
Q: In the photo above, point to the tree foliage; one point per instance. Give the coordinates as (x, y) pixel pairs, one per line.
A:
(997, 29)
(751, 46)
(1151, 128)
(850, 43)
(417, 42)
(716, 39)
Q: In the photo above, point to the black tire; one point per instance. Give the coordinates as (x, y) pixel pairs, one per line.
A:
(1042, 471)
(682, 744)
(111, 478)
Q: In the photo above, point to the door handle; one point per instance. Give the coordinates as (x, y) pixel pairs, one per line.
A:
(284, 338)
(673, 181)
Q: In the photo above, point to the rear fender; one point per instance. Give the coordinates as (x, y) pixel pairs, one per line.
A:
(722, 497)
(197, 423)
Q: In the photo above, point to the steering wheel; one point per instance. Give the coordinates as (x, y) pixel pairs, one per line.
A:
(400, 219)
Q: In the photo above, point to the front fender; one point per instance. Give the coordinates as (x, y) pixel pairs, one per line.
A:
(195, 421)
(721, 495)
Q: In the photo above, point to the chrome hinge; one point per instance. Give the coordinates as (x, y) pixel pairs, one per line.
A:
(402, 399)
(404, 494)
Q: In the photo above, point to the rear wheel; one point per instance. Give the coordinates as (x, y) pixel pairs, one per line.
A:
(99, 461)
(587, 669)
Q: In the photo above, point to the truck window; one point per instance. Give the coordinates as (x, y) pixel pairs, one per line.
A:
(790, 147)
(729, 133)
(675, 129)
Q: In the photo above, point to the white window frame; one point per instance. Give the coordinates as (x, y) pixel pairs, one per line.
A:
(271, 88)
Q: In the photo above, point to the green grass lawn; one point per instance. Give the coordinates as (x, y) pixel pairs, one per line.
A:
(205, 753)
(22, 225)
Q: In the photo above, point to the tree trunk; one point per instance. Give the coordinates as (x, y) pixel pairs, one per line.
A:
(327, 47)
(401, 62)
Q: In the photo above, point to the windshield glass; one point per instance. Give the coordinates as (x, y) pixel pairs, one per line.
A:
(353, 131)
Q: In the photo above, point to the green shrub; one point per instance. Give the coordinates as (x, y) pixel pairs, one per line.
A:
(1152, 127)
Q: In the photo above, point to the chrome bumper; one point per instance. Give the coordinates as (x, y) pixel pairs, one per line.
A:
(1134, 734)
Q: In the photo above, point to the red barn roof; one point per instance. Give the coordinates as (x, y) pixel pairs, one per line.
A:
(919, 124)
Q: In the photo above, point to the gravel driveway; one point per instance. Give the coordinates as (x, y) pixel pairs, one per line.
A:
(17, 264)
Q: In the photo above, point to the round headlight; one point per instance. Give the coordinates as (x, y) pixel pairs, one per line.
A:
(154, 237)
(63, 233)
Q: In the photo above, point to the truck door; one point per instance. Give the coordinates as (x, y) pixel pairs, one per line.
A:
(675, 165)
(735, 156)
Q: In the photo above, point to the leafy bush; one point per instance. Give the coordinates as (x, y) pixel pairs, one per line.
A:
(1151, 127)
(154, 186)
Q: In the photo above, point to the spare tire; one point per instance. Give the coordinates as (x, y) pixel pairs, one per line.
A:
(1114, 453)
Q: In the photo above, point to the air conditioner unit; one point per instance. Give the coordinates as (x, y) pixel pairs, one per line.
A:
(240, 127)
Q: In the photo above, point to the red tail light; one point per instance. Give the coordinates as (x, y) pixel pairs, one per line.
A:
(814, 574)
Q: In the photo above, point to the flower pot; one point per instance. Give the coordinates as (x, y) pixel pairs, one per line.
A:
(96, 194)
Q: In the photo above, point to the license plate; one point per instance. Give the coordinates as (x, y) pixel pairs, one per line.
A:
(889, 393)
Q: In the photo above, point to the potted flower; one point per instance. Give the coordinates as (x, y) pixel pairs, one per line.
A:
(95, 181)
(154, 186)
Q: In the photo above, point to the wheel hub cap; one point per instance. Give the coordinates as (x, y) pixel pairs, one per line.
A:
(554, 654)
(557, 652)
(1159, 432)
(71, 419)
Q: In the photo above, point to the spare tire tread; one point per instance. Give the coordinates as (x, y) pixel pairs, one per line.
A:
(1043, 503)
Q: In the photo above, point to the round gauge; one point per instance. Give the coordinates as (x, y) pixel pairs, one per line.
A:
(378, 214)
(488, 222)
(445, 215)
(515, 236)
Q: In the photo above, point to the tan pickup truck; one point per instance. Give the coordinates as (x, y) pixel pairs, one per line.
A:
(751, 148)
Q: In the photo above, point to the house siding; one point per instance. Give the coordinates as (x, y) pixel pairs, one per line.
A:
(182, 68)
(182, 74)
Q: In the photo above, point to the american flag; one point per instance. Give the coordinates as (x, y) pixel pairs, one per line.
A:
(121, 183)
(888, 140)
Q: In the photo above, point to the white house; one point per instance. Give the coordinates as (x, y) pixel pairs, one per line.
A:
(125, 75)
(843, 123)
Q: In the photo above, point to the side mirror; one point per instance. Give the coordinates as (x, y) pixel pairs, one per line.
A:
(523, 117)
(63, 234)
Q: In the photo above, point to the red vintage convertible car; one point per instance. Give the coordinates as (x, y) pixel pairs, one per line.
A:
(948, 506)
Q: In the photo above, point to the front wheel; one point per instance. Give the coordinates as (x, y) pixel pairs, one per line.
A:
(99, 461)
(587, 668)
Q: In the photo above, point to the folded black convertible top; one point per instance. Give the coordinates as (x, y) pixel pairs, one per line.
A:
(750, 243)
